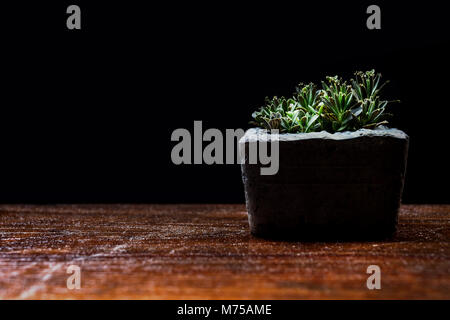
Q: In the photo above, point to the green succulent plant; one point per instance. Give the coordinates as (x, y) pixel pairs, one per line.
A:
(269, 116)
(338, 106)
(371, 111)
(367, 85)
(307, 96)
(298, 114)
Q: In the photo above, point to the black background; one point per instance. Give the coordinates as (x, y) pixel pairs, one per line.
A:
(167, 309)
(87, 115)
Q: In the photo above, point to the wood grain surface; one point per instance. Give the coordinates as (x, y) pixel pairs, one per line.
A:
(206, 252)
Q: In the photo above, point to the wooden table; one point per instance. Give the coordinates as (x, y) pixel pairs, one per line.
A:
(206, 252)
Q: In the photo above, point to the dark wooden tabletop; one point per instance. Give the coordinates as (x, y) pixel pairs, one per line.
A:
(206, 252)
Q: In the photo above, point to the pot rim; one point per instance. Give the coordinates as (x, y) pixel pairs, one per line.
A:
(259, 134)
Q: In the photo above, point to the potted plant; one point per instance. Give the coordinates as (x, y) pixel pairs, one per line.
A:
(341, 170)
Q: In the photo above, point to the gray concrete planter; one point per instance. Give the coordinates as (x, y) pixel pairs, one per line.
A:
(329, 186)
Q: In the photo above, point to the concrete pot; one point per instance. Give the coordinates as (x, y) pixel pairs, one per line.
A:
(329, 186)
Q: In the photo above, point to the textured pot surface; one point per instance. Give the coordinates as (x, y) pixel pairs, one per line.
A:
(332, 186)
